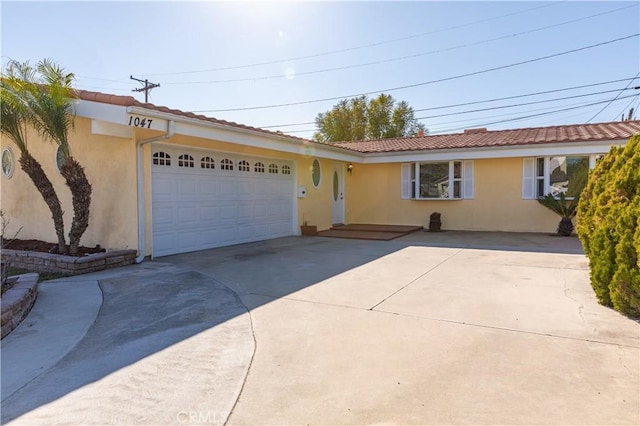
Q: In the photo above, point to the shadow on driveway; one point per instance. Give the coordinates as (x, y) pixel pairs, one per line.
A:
(164, 332)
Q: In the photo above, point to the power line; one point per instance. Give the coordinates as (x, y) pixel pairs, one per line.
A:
(483, 124)
(625, 109)
(350, 49)
(512, 114)
(480, 102)
(426, 82)
(104, 79)
(400, 58)
(542, 113)
(528, 103)
(606, 106)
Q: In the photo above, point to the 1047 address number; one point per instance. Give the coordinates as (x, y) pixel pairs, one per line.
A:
(144, 123)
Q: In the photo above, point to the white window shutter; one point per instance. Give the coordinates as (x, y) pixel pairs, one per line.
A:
(405, 192)
(467, 179)
(528, 178)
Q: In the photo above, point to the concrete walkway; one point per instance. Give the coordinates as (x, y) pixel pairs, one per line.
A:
(450, 328)
(147, 344)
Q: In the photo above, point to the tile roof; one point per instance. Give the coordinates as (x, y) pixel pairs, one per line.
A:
(471, 138)
(128, 101)
(481, 138)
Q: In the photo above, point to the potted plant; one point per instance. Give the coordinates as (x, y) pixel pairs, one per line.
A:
(566, 210)
(306, 229)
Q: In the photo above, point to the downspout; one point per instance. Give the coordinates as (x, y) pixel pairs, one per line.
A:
(141, 213)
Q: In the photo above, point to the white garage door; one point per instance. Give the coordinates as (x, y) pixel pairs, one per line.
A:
(206, 199)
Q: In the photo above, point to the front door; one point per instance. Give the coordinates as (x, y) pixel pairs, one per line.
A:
(337, 195)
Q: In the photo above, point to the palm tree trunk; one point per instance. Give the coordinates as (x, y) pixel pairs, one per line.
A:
(80, 187)
(33, 169)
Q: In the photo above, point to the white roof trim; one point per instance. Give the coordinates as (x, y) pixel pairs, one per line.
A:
(531, 150)
(189, 126)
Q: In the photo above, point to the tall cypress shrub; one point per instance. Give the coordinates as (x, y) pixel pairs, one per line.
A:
(609, 227)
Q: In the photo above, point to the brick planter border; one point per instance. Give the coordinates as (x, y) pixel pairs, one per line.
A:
(68, 265)
(18, 301)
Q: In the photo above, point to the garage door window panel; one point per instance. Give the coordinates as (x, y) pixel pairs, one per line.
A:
(161, 159)
(185, 160)
(226, 164)
(207, 163)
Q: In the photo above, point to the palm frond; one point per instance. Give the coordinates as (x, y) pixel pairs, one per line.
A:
(560, 205)
(15, 113)
(52, 103)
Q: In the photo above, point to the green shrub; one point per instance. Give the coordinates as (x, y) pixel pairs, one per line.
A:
(609, 227)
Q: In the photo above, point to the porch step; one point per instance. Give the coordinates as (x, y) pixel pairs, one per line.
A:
(369, 232)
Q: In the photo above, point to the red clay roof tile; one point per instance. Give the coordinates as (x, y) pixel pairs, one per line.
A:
(471, 138)
(617, 130)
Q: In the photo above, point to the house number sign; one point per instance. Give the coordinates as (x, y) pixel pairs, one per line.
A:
(142, 122)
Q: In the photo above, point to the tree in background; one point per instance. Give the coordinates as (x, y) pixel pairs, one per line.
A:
(16, 116)
(630, 115)
(609, 227)
(361, 118)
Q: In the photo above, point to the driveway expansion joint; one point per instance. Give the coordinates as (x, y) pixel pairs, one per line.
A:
(513, 330)
(416, 279)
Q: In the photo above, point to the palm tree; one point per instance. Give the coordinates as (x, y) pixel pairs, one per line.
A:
(52, 108)
(15, 116)
(566, 211)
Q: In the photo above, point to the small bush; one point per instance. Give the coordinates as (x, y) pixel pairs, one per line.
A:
(609, 227)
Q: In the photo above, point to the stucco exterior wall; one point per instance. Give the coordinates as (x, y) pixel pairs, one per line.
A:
(110, 166)
(373, 196)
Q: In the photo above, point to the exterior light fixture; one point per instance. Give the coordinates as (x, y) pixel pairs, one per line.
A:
(350, 168)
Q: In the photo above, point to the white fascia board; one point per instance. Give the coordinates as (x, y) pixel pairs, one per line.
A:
(99, 127)
(207, 130)
(100, 111)
(538, 150)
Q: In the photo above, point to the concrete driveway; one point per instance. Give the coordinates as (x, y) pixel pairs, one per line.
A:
(449, 328)
(455, 328)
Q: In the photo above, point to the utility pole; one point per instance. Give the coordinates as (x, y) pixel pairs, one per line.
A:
(146, 89)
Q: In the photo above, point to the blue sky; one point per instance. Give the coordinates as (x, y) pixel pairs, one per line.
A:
(169, 43)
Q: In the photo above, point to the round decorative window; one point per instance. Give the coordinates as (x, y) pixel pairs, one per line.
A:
(7, 162)
(315, 173)
(60, 158)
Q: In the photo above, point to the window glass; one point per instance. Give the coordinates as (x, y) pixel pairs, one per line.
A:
(286, 170)
(336, 186)
(226, 164)
(207, 163)
(413, 181)
(434, 180)
(161, 159)
(273, 168)
(185, 160)
(244, 166)
(568, 175)
(7, 162)
(315, 173)
(540, 192)
(258, 167)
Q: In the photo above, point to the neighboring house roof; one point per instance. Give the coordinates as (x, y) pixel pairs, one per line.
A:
(481, 138)
(129, 101)
(471, 138)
